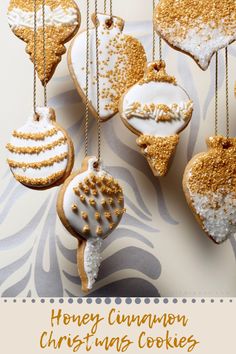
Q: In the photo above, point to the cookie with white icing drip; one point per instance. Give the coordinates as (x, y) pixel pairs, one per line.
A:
(209, 185)
(90, 206)
(62, 21)
(41, 153)
(157, 110)
(198, 28)
(121, 64)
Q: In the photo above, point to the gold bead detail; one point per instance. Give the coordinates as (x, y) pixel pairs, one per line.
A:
(99, 231)
(76, 191)
(86, 229)
(92, 202)
(82, 198)
(97, 216)
(74, 208)
(112, 225)
(103, 202)
(84, 215)
(107, 215)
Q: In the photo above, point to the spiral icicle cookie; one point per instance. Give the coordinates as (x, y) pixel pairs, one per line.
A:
(90, 206)
(209, 185)
(41, 153)
(62, 21)
(157, 110)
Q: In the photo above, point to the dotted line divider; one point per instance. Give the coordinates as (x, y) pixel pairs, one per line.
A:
(118, 300)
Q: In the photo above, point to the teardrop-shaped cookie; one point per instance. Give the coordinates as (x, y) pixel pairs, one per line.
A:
(90, 206)
(121, 64)
(198, 28)
(62, 21)
(41, 153)
(157, 110)
(209, 185)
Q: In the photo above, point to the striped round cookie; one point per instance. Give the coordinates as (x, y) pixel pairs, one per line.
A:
(41, 154)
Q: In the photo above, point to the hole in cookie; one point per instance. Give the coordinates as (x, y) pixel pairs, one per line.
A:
(156, 67)
(226, 145)
(96, 165)
(109, 23)
(36, 117)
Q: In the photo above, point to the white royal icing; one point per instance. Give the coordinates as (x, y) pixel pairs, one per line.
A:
(156, 93)
(220, 222)
(106, 55)
(34, 127)
(53, 17)
(92, 259)
(75, 219)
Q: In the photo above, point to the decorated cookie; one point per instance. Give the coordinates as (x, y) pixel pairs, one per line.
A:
(90, 206)
(210, 188)
(198, 28)
(62, 21)
(41, 154)
(121, 64)
(156, 109)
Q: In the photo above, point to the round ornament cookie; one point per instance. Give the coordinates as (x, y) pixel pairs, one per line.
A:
(41, 154)
(62, 21)
(90, 205)
(209, 185)
(198, 28)
(121, 64)
(157, 110)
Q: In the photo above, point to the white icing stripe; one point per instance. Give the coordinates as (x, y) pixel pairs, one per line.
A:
(18, 142)
(92, 259)
(53, 17)
(43, 172)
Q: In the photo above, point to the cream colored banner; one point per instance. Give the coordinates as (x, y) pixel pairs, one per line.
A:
(117, 326)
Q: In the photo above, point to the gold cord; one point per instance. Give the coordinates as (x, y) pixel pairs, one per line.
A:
(105, 7)
(98, 82)
(216, 95)
(154, 36)
(35, 60)
(227, 92)
(44, 55)
(86, 125)
(35, 56)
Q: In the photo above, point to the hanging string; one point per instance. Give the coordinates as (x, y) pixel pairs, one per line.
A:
(86, 125)
(35, 58)
(44, 56)
(154, 36)
(98, 82)
(227, 92)
(216, 95)
(105, 7)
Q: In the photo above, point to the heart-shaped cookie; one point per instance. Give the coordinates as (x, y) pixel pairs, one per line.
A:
(62, 21)
(90, 206)
(122, 61)
(157, 110)
(198, 28)
(209, 185)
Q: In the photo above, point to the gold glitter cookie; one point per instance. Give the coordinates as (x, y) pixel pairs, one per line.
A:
(198, 28)
(157, 110)
(121, 64)
(41, 154)
(62, 21)
(209, 185)
(90, 205)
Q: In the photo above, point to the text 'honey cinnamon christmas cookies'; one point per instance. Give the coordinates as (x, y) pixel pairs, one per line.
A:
(199, 28)
(41, 154)
(121, 64)
(210, 188)
(62, 21)
(90, 206)
(156, 109)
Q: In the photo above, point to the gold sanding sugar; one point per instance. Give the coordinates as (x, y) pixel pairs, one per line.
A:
(128, 68)
(185, 14)
(158, 151)
(55, 37)
(28, 5)
(40, 181)
(215, 170)
(156, 72)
